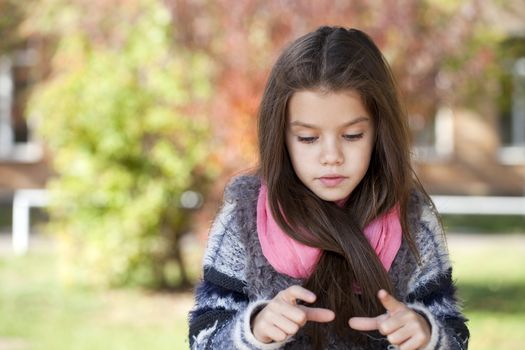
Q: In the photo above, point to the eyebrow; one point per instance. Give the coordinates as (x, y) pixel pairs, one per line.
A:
(311, 126)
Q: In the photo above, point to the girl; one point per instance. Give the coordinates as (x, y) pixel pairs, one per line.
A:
(331, 243)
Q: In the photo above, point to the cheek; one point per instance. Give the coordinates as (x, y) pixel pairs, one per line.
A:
(301, 160)
(365, 160)
(296, 157)
(360, 158)
(294, 150)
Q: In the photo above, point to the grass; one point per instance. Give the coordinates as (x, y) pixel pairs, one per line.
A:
(491, 281)
(484, 223)
(38, 313)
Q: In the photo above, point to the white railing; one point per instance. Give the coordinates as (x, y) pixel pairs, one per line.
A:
(480, 205)
(25, 199)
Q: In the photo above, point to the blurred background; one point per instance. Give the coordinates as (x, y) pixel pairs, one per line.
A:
(121, 121)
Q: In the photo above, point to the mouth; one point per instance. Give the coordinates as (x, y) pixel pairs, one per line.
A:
(332, 180)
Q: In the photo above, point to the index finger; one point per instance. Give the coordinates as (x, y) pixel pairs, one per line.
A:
(291, 294)
(318, 314)
(390, 303)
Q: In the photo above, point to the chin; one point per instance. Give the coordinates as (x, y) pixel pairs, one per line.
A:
(331, 197)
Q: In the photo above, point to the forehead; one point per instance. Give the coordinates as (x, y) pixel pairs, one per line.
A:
(325, 109)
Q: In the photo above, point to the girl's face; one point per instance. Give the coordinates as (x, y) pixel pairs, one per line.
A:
(330, 138)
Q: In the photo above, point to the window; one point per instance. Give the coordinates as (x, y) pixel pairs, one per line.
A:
(512, 103)
(434, 139)
(17, 143)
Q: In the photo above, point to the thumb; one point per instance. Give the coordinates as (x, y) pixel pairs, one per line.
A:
(391, 304)
(318, 314)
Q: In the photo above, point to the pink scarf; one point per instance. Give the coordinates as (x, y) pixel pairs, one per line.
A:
(297, 260)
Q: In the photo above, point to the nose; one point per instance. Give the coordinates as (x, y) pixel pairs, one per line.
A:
(332, 153)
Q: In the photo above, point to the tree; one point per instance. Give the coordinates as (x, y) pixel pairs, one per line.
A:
(122, 116)
(209, 57)
(433, 47)
(12, 17)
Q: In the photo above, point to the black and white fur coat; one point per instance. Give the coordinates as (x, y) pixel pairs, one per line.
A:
(238, 280)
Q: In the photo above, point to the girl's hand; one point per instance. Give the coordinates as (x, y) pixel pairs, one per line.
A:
(282, 317)
(403, 326)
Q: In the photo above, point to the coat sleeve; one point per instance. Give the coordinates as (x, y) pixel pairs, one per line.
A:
(431, 289)
(220, 317)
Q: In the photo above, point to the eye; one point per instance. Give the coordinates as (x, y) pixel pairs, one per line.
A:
(353, 137)
(307, 139)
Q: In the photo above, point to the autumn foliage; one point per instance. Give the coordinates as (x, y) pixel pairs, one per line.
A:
(147, 99)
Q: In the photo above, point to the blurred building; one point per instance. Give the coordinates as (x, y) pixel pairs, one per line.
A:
(23, 160)
(461, 151)
(482, 152)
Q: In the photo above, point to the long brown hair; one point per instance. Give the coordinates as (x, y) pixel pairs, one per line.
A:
(336, 59)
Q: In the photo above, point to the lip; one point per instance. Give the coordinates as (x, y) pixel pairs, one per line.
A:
(332, 180)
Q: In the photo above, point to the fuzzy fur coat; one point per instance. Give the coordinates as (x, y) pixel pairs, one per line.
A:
(238, 280)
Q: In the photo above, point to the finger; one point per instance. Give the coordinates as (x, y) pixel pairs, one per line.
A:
(412, 343)
(367, 323)
(392, 323)
(275, 333)
(391, 304)
(292, 312)
(291, 294)
(364, 323)
(316, 314)
(285, 325)
(399, 336)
